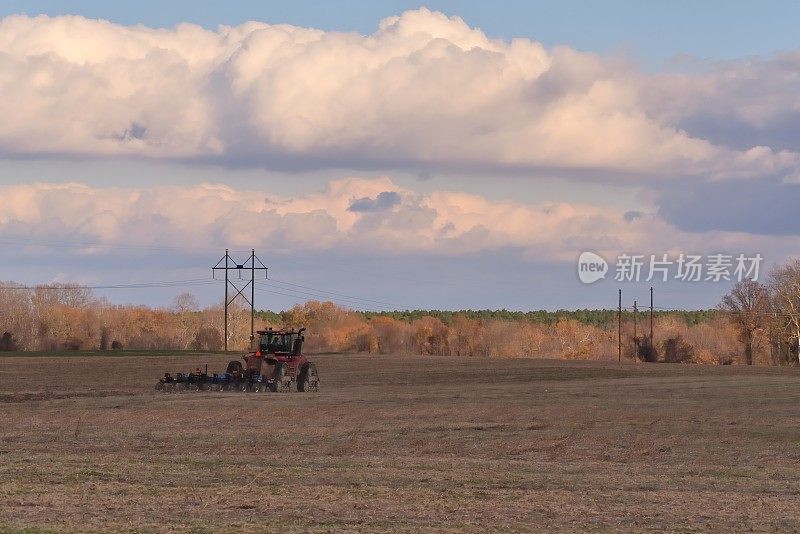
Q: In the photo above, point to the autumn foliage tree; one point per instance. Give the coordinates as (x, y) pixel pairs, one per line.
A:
(748, 307)
(754, 320)
(784, 287)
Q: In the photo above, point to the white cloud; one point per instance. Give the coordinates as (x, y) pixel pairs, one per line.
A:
(424, 90)
(211, 217)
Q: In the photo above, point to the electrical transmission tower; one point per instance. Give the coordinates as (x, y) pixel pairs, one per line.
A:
(251, 264)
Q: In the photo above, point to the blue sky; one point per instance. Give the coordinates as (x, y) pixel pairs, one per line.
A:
(507, 143)
(650, 31)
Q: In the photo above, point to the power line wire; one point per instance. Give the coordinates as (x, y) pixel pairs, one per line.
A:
(140, 285)
(298, 295)
(304, 297)
(301, 298)
(342, 295)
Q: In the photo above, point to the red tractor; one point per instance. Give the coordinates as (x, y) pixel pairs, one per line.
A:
(277, 362)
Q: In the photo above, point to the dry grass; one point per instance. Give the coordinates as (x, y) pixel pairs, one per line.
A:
(400, 443)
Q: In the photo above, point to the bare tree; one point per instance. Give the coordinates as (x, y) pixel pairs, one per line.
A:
(784, 286)
(185, 307)
(185, 303)
(748, 308)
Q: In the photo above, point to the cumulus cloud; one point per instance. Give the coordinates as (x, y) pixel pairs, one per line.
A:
(741, 103)
(211, 217)
(423, 90)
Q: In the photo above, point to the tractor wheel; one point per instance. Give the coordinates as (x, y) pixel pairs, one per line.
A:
(235, 367)
(280, 377)
(160, 386)
(308, 379)
(180, 387)
(259, 387)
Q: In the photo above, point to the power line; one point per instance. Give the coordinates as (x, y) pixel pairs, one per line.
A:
(139, 285)
(301, 298)
(357, 269)
(304, 296)
(349, 267)
(329, 295)
(354, 302)
(337, 294)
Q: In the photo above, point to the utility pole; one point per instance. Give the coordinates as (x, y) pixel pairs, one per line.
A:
(635, 338)
(619, 328)
(225, 339)
(253, 294)
(227, 263)
(651, 316)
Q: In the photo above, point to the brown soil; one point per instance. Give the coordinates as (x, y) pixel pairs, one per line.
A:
(400, 443)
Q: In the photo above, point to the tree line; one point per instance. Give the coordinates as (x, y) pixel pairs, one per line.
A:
(754, 323)
(600, 317)
(767, 315)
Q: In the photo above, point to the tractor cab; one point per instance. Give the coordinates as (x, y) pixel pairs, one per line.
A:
(283, 342)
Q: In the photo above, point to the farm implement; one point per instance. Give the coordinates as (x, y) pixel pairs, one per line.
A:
(278, 365)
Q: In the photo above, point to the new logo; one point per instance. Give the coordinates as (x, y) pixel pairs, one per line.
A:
(591, 267)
